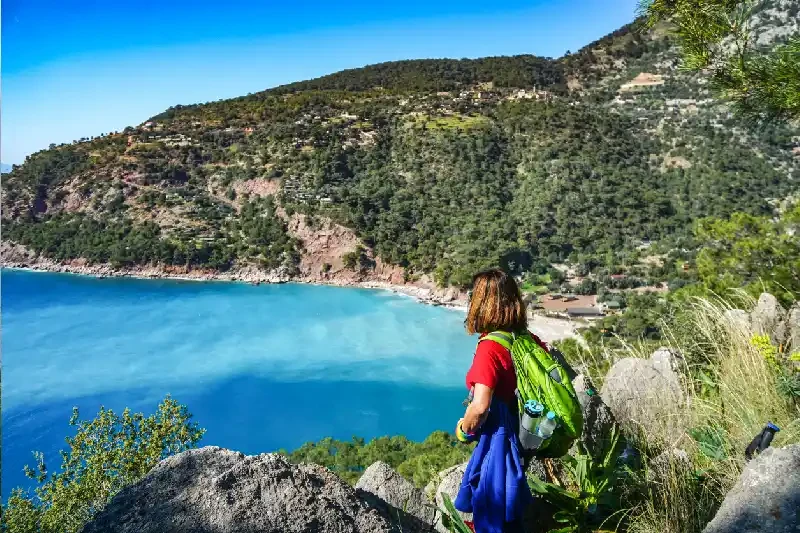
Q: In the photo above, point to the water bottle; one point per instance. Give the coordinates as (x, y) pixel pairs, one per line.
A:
(761, 441)
(532, 412)
(546, 427)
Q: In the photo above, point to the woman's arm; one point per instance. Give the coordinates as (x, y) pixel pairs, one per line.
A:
(478, 409)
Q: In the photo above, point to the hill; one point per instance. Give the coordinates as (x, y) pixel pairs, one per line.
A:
(412, 168)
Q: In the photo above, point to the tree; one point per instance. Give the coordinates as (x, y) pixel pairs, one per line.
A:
(716, 35)
(105, 455)
(758, 251)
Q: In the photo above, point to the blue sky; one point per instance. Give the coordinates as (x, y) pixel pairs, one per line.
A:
(76, 69)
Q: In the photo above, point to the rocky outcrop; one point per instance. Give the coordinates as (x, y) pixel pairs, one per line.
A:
(400, 496)
(768, 318)
(738, 319)
(598, 420)
(16, 256)
(793, 325)
(448, 481)
(667, 466)
(766, 499)
(644, 394)
(213, 490)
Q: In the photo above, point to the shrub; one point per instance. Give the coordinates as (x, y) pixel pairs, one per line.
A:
(106, 454)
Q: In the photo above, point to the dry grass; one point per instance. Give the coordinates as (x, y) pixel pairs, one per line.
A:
(722, 415)
(731, 392)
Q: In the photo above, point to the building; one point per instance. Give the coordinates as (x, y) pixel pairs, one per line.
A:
(584, 312)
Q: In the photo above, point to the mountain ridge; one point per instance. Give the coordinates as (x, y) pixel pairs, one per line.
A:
(451, 166)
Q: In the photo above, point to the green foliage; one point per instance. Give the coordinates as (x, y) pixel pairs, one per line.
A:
(450, 517)
(593, 498)
(357, 259)
(428, 179)
(717, 35)
(418, 462)
(106, 454)
(784, 368)
(756, 251)
(264, 236)
(438, 75)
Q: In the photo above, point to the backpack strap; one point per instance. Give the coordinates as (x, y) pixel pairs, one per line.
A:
(503, 338)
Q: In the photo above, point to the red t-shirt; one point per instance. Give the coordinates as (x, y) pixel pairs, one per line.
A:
(492, 366)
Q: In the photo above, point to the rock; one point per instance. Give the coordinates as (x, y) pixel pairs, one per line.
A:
(447, 481)
(644, 393)
(793, 325)
(598, 420)
(213, 489)
(738, 319)
(450, 295)
(667, 360)
(381, 481)
(768, 318)
(766, 499)
(668, 464)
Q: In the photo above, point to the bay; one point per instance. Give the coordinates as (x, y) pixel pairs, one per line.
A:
(260, 367)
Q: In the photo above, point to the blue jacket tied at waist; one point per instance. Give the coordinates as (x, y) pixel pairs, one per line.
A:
(494, 488)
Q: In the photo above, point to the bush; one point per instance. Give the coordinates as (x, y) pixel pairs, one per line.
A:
(417, 461)
(105, 455)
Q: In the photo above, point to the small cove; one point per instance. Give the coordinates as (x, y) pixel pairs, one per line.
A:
(261, 368)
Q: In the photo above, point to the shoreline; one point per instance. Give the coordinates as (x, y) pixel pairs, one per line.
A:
(549, 329)
(249, 276)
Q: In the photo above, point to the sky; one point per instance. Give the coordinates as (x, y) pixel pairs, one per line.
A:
(73, 69)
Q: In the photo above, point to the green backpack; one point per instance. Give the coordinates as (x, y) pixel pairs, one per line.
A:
(541, 378)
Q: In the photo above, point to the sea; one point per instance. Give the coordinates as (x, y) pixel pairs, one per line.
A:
(261, 368)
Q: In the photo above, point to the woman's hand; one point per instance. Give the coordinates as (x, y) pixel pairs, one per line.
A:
(478, 409)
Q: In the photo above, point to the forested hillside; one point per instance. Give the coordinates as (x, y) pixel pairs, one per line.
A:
(598, 159)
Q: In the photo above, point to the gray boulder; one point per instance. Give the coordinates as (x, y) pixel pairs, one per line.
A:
(447, 481)
(380, 480)
(644, 394)
(598, 420)
(793, 325)
(738, 318)
(766, 499)
(768, 318)
(667, 360)
(216, 490)
(668, 465)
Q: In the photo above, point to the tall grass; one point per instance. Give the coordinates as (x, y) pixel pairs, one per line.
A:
(731, 391)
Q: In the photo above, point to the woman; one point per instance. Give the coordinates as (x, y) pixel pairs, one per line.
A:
(494, 487)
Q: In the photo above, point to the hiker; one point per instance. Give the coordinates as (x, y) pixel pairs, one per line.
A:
(494, 488)
(513, 372)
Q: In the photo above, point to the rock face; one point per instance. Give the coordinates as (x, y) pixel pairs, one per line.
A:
(738, 318)
(598, 420)
(766, 499)
(643, 393)
(381, 481)
(448, 481)
(212, 490)
(768, 318)
(668, 464)
(793, 323)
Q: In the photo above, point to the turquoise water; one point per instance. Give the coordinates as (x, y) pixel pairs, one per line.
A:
(261, 368)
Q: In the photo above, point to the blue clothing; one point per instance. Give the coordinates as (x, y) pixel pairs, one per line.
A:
(494, 487)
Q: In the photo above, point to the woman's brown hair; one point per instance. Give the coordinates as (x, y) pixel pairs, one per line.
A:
(495, 304)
